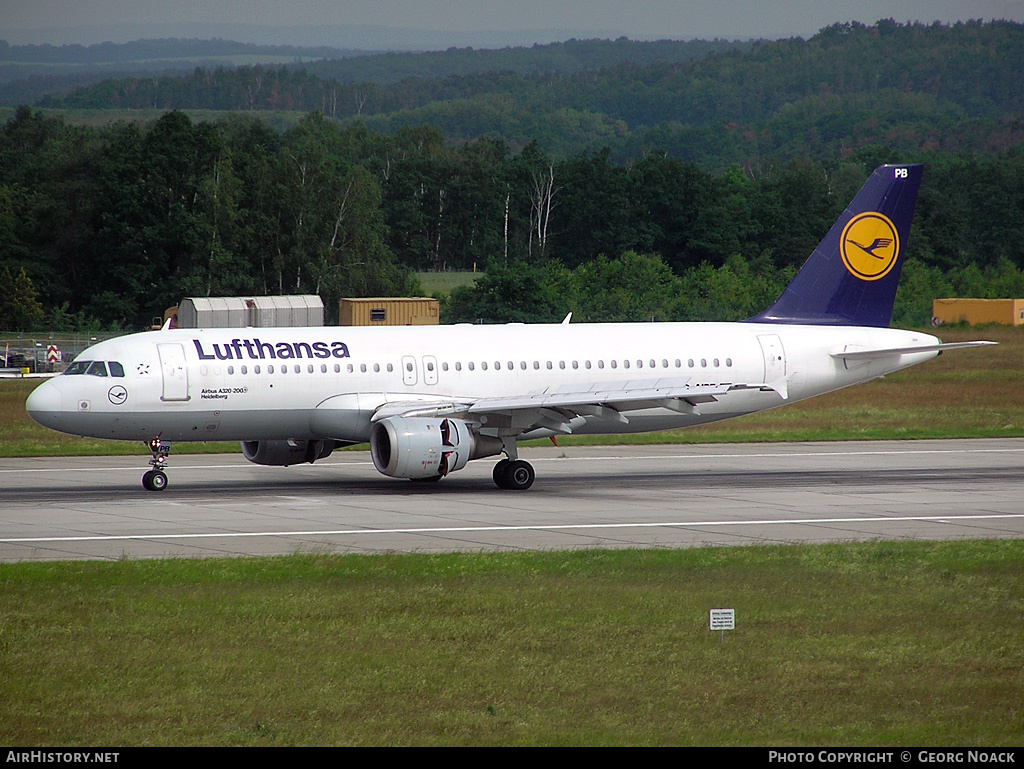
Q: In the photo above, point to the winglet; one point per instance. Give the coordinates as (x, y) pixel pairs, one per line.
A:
(850, 279)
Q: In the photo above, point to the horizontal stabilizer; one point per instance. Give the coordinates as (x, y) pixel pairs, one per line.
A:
(893, 351)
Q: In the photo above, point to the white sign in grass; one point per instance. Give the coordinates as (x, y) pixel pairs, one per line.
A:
(722, 620)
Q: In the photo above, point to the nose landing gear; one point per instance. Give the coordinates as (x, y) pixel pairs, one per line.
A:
(156, 479)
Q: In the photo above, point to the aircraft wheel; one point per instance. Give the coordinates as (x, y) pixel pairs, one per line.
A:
(154, 480)
(518, 475)
(498, 474)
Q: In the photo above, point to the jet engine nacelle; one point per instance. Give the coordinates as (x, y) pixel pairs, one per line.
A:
(284, 453)
(418, 447)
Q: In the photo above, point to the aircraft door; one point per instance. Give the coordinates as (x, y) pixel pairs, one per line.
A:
(774, 357)
(175, 372)
(409, 370)
(429, 370)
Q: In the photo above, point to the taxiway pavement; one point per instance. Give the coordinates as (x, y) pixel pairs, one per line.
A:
(615, 496)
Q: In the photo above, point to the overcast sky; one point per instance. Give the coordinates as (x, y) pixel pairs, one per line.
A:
(463, 22)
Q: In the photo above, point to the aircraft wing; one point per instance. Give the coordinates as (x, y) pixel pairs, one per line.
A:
(554, 408)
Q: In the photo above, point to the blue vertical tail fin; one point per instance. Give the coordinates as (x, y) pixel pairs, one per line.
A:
(850, 279)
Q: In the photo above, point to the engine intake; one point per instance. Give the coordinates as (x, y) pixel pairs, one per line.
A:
(417, 447)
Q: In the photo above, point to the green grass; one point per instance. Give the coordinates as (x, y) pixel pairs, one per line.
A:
(962, 394)
(894, 644)
(435, 283)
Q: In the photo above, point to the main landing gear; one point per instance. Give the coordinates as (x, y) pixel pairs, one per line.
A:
(156, 479)
(513, 473)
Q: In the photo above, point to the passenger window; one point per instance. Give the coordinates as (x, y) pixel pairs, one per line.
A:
(98, 368)
(116, 369)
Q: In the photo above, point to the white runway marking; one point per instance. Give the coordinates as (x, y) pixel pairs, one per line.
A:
(537, 527)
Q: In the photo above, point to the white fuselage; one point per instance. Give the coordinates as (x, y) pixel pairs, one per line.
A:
(312, 383)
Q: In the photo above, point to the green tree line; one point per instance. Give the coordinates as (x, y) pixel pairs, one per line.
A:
(113, 224)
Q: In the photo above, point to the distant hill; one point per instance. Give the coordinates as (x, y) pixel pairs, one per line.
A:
(30, 72)
(569, 56)
(149, 50)
(907, 86)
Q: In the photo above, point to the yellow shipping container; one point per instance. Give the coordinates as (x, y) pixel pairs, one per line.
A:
(1009, 312)
(389, 311)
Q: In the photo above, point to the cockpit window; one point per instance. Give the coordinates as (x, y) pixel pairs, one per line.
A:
(116, 369)
(78, 367)
(98, 368)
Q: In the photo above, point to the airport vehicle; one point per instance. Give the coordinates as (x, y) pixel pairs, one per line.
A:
(430, 399)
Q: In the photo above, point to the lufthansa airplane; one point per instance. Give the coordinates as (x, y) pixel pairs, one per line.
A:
(429, 399)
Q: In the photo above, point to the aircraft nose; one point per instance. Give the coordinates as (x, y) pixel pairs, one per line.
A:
(44, 404)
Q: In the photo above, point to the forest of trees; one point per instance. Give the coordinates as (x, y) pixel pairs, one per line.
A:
(111, 225)
(107, 225)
